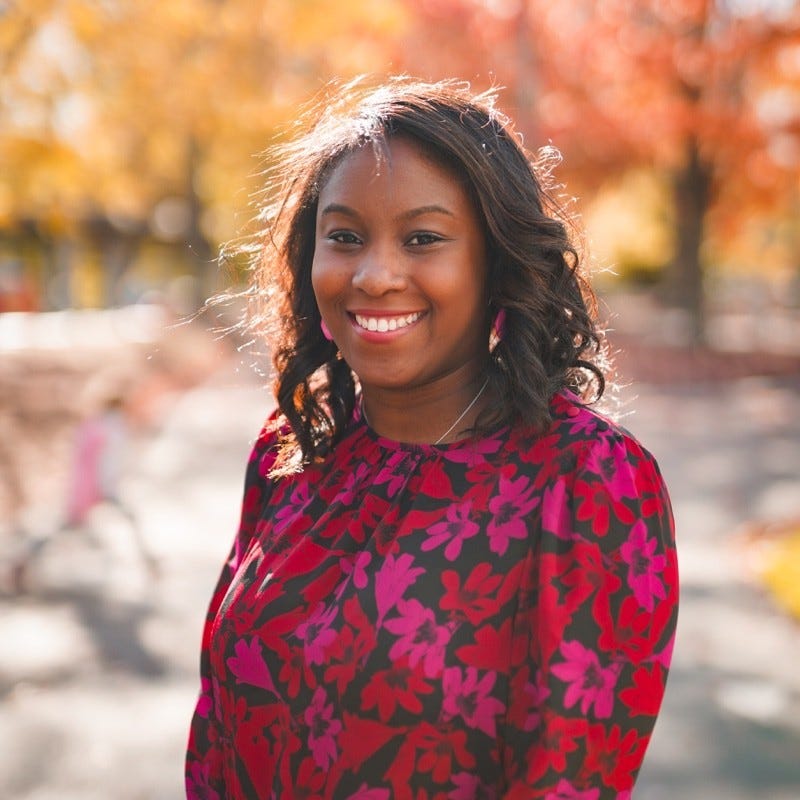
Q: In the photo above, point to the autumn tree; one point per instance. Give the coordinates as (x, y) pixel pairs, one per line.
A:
(704, 91)
(128, 119)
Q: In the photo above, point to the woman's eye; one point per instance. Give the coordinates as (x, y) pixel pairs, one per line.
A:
(343, 237)
(422, 239)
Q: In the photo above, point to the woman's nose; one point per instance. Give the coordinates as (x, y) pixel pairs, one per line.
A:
(379, 272)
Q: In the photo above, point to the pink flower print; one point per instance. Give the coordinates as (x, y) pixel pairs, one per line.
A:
(454, 531)
(248, 665)
(391, 475)
(508, 509)
(205, 702)
(643, 566)
(198, 782)
(610, 461)
(316, 633)
(300, 498)
(323, 729)
(473, 453)
(664, 657)
(566, 791)
(354, 479)
(471, 698)
(391, 581)
(365, 793)
(469, 787)
(420, 637)
(536, 694)
(557, 517)
(356, 568)
(589, 683)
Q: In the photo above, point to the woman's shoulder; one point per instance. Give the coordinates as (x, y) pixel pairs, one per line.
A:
(591, 435)
(266, 448)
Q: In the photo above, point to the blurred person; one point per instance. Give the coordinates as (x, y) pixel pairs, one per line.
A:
(452, 578)
(97, 461)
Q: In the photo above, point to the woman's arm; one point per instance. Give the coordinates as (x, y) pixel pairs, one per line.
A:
(204, 774)
(594, 629)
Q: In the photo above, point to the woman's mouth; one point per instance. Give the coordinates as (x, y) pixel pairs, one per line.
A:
(383, 324)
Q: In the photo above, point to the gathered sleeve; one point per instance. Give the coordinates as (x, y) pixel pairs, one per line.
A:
(594, 628)
(204, 770)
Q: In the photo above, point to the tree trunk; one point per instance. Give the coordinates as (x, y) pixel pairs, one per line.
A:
(684, 279)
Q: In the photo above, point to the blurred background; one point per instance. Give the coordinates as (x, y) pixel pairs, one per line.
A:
(132, 139)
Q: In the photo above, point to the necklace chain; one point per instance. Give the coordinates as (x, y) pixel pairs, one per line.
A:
(458, 419)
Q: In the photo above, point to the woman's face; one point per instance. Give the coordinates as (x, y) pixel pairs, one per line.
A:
(399, 269)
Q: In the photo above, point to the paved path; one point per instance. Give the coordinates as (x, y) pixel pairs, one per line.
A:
(98, 662)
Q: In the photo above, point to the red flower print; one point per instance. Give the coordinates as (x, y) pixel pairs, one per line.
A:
(308, 785)
(420, 637)
(490, 648)
(350, 648)
(361, 739)
(597, 504)
(636, 632)
(454, 531)
(509, 508)
(650, 488)
(614, 757)
(644, 697)
(468, 696)
(294, 670)
(589, 683)
(477, 599)
(644, 564)
(437, 483)
(493, 618)
(323, 729)
(392, 687)
(440, 748)
(550, 750)
(372, 511)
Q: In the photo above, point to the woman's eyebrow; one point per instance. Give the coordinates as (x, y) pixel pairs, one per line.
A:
(338, 208)
(418, 212)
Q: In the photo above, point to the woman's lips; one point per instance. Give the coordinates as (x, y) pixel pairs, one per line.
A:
(384, 323)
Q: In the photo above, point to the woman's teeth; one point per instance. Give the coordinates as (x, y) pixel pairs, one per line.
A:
(383, 324)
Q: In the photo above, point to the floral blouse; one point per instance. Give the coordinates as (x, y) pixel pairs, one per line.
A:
(491, 618)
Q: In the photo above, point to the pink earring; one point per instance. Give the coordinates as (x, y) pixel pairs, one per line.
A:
(498, 329)
(325, 330)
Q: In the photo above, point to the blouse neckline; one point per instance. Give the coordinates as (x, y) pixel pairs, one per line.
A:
(396, 445)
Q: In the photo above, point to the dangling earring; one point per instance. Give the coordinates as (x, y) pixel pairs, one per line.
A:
(498, 329)
(325, 330)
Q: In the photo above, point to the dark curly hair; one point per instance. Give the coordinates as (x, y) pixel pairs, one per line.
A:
(551, 340)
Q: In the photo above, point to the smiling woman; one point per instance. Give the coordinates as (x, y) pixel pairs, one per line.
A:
(452, 578)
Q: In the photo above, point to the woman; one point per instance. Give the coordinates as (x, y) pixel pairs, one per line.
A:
(452, 578)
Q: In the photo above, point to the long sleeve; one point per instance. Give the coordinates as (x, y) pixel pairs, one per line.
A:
(204, 768)
(594, 628)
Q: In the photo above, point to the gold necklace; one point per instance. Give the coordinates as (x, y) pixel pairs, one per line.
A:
(458, 419)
